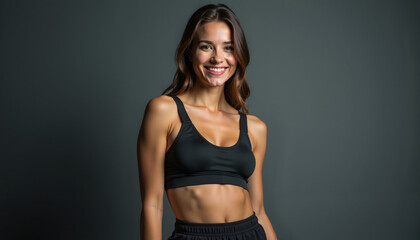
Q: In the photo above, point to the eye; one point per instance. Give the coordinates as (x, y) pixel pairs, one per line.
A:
(229, 48)
(205, 47)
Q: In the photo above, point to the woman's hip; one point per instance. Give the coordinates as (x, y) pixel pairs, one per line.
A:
(245, 229)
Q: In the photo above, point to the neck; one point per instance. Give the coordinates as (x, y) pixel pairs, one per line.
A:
(212, 98)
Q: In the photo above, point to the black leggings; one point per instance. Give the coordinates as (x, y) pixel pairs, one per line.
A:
(245, 229)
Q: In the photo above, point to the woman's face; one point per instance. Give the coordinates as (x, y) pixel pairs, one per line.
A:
(212, 56)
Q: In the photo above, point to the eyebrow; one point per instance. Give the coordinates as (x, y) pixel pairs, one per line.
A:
(210, 42)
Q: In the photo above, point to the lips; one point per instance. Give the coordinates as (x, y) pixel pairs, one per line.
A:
(216, 70)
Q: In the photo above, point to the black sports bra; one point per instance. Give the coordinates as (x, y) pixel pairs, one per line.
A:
(193, 160)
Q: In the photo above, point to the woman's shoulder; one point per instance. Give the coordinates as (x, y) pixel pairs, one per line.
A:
(161, 107)
(255, 123)
(257, 129)
(162, 103)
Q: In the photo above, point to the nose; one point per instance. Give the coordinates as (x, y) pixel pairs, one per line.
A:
(217, 57)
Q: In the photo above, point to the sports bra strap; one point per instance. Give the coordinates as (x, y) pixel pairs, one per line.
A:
(181, 109)
(243, 122)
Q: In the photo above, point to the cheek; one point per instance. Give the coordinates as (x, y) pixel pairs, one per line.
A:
(231, 61)
(201, 58)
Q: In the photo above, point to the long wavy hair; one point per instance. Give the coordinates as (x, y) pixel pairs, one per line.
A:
(236, 89)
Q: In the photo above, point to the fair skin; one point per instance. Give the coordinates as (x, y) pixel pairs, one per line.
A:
(214, 63)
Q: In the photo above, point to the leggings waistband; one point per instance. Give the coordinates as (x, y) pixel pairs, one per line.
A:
(216, 228)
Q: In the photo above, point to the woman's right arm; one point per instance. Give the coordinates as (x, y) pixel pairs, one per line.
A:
(151, 147)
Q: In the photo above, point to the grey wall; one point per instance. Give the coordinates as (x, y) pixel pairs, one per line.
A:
(337, 83)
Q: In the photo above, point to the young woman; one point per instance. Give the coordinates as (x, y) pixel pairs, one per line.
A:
(196, 144)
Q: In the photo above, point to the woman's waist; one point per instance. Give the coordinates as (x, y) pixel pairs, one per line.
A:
(210, 203)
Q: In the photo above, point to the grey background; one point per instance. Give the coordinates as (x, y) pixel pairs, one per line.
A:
(336, 82)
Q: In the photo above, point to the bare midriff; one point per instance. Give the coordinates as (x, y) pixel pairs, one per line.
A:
(210, 203)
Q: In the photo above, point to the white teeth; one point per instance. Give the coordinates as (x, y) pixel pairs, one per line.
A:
(217, 69)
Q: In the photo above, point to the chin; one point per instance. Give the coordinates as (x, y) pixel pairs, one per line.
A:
(216, 81)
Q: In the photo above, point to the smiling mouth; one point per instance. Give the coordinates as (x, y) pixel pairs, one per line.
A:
(216, 70)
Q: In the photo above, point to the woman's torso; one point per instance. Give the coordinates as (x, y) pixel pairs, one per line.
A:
(209, 203)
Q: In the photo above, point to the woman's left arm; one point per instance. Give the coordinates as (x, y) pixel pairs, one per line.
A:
(257, 130)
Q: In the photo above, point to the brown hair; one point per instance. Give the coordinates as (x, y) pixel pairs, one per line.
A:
(236, 89)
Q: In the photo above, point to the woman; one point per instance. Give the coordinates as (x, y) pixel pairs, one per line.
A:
(196, 144)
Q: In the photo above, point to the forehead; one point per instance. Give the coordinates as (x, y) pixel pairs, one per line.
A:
(214, 31)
